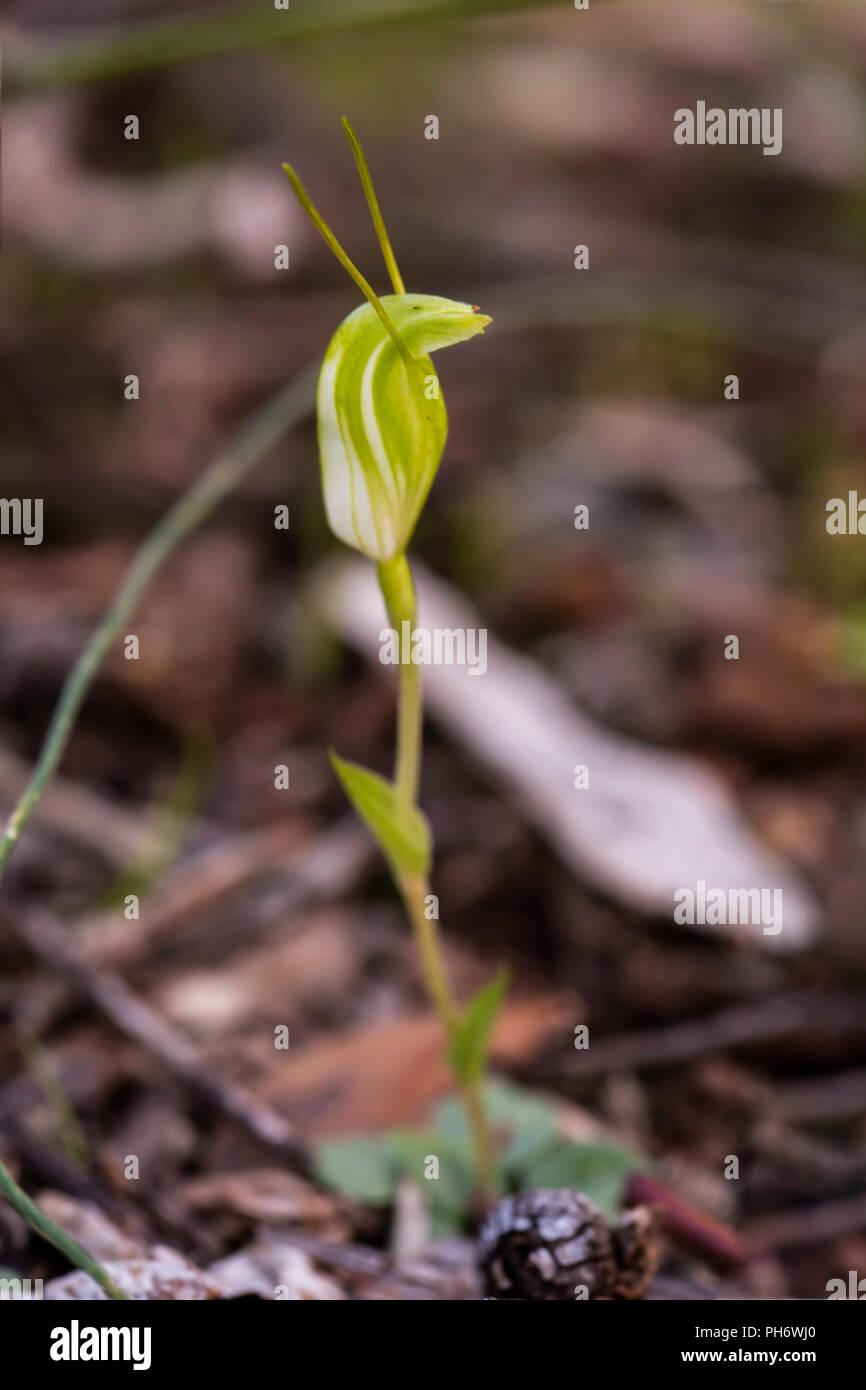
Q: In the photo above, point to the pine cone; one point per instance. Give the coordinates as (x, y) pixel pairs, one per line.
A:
(555, 1243)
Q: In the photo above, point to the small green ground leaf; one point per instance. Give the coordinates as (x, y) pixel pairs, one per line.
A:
(403, 837)
(536, 1155)
(598, 1171)
(449, 1193)
(470, 1038)
(370, 1167)
(366, 1167)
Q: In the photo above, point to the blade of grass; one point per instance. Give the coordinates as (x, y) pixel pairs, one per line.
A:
(170, 826)
(250, 445)
(161, 43)
(252, 442)
(47, 1077)
(50, 1231)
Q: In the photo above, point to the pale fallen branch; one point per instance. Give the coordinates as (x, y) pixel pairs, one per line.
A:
(651, 822)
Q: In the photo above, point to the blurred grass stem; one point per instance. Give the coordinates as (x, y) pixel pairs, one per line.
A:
(256, 437)
(253, 441)
(160, 43)
(50, 1231)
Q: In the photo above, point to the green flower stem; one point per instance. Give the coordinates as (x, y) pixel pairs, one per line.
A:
(414, 890)
(472, 1095)
(409, 726)
(398, 591)
(395, 581)
(74, 1252)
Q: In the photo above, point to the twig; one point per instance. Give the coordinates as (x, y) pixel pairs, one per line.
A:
(79, 813)
(253, 441)
(457, 1276)
(310, 870)
(735, 1027)
(690, 1226)
(655, 820)
(52, 1168)
(812, 1225)
(804, 1162)
(137, 1020)
(840, 1097)
(166, 1214)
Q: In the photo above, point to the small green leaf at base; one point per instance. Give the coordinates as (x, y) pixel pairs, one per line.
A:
(403, 836)
(371, 1167)
(470, 1037)
(598, 1170)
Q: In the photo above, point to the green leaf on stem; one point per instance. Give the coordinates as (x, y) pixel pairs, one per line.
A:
(402, 835)
(470, 1038)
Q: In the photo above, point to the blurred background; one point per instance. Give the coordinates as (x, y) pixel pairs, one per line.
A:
(604, 387)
